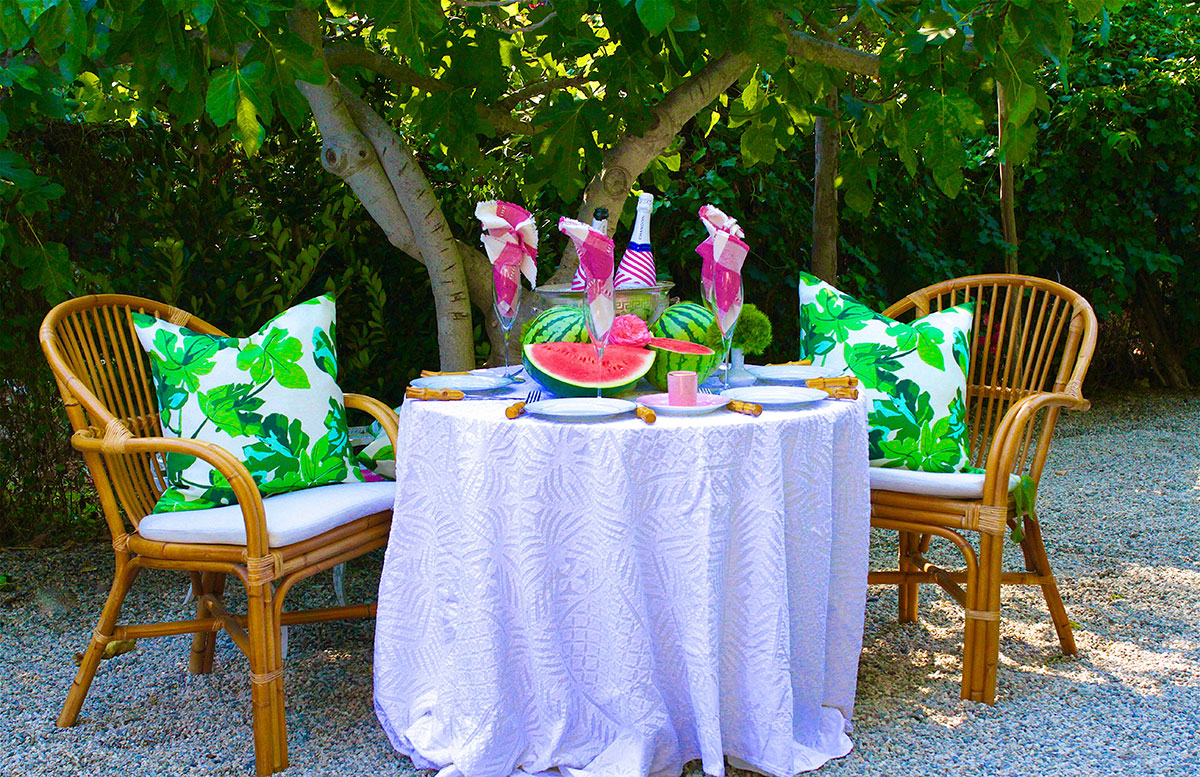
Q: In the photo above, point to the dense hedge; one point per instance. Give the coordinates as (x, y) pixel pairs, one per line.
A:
(1108, 204)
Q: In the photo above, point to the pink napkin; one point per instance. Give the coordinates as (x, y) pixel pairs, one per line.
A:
(510, 240)
(724, 235)
(596, 263)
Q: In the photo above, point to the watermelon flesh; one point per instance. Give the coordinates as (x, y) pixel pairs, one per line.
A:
(570, 369)
(673, 355)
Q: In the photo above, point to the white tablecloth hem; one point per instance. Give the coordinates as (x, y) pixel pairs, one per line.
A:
(832, 743)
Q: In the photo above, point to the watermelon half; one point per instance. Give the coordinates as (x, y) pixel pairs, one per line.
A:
(560, 323)
(684, 321)
(570, 369)
(672, 355)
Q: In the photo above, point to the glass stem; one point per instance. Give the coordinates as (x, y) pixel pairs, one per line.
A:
(506, 370)
(728, 343)
(599, 368)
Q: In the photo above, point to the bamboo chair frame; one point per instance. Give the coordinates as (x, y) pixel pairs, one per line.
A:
(102, 374)
(1023, 328)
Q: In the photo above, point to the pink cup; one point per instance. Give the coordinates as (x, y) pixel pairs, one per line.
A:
(681, 388)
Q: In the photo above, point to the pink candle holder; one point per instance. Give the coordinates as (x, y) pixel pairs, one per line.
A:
(681, 388)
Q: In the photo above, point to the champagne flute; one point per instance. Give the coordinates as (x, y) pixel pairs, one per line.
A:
(506, 301)
(598, 305)
(731, 295)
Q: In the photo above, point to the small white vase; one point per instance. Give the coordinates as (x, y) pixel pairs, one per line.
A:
(738, 374)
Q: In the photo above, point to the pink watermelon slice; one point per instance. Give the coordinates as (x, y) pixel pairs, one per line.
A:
(570, 369)
(672, 355)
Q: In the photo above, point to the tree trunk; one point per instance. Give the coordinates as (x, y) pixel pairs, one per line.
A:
(1008, 208)
(1158, 335)
(396, 195)
(456, 341)
(825, 204)
(479, 286)
(629, 158)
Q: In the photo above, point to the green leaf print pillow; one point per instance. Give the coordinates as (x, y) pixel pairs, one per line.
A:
(271, 398)
(915, 374)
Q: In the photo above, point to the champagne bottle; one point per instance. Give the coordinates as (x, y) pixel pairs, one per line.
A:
(637, 265)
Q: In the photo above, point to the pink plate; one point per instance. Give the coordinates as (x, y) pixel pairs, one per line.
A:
(705, 403)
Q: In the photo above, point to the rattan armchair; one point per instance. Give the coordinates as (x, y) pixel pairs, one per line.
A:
(102, 374)
(1031, 345)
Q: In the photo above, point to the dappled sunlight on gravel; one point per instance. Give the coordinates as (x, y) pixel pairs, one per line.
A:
(1120, 508)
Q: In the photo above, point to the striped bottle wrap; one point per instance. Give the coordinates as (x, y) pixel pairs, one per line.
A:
(637, 267)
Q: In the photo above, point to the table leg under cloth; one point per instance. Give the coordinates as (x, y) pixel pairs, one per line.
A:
(618, 599)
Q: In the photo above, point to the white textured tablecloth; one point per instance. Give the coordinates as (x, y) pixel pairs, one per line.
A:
(618, 598)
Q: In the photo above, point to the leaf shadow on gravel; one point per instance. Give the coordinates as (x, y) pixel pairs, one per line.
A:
(1119, 504)
(1120, 509)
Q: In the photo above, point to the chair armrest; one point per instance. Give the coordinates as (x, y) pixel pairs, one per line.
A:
(1006, 443)
(116, 441)
(386, 417)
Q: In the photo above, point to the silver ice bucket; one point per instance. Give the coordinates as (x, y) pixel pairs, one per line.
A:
(646, 303)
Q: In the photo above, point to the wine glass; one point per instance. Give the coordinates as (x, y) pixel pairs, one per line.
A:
(598, 305)
(731, 293)
(506, 301)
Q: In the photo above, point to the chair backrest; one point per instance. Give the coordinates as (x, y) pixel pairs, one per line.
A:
(104, 377)
(1030, 336)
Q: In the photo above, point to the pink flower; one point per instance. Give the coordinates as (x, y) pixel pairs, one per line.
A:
(629, 330)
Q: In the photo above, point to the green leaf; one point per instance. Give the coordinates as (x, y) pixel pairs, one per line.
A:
(182, 364)
(238, 92)
(32, 10)
(324, 351)
(758, 143)
(13, 26)
(655, 14)
(1086, 10)
(231, 409)
(276, 358)
(202, 10)
(405, 24)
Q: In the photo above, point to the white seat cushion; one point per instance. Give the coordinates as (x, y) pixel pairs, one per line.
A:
(950, 485)
(291, 517)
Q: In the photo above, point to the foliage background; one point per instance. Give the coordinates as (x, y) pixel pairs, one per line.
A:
(1108, 203)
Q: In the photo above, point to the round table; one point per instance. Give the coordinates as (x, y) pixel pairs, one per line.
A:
(620, 598)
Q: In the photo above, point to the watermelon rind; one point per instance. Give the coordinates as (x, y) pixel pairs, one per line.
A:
(547, 363)
(684, 321)
(668, 360)
(561, 323)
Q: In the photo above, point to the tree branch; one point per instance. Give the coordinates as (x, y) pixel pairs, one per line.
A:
(432, 234)
(629, 158)
(347, 55)
(539, 88)
(804, 46)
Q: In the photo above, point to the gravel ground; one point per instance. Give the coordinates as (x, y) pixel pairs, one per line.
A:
(1119, 506)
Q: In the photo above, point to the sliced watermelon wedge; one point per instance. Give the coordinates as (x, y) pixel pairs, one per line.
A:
(570, 369)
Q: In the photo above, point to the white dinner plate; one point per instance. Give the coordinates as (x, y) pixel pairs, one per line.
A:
(791, 373)
(705, 403)
(580, 408)
(775, 396)
(466, 383)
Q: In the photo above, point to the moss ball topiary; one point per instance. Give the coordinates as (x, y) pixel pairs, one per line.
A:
(752, 333)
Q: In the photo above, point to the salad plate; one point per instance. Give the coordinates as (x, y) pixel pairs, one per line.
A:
(705, 403)
(580, 408)
(775, 396)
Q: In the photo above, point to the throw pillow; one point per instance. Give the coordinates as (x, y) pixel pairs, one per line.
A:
(272, 398)
(378, 457)
(915, 374)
